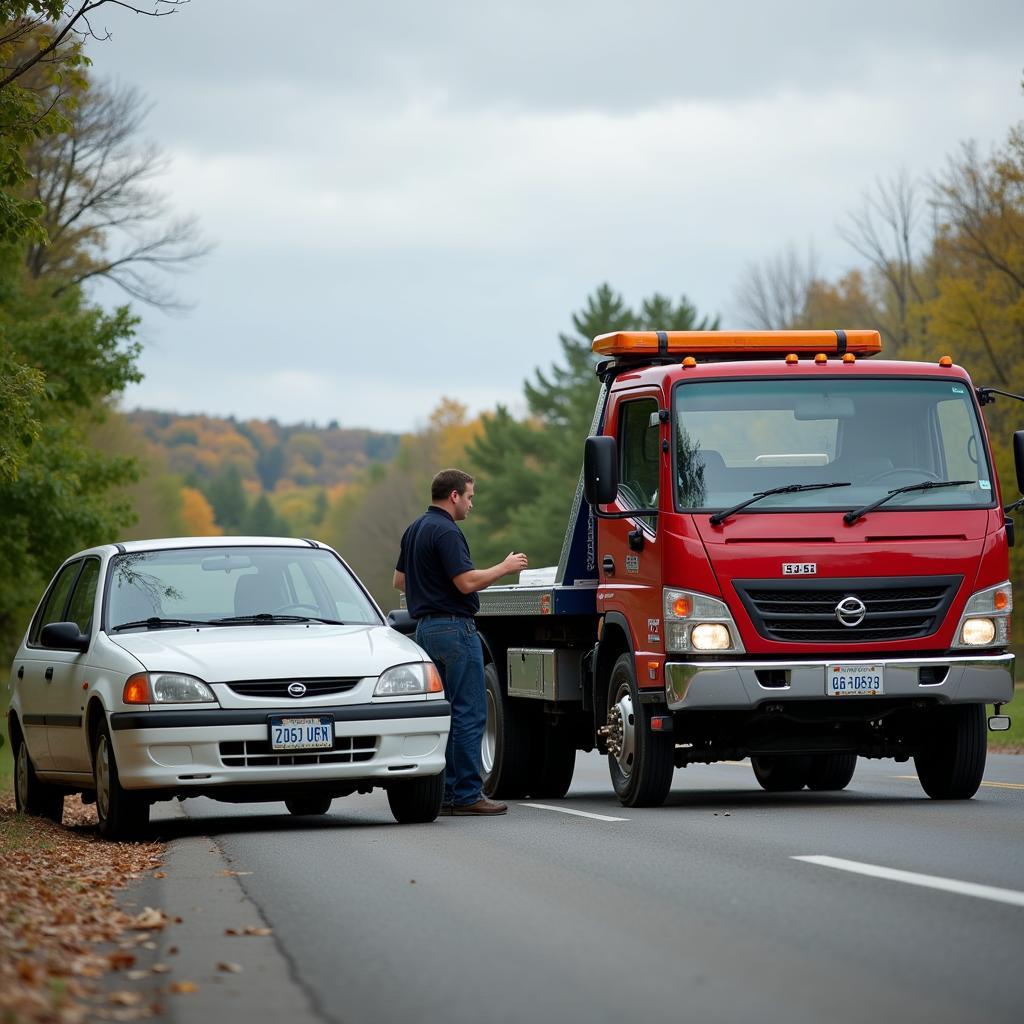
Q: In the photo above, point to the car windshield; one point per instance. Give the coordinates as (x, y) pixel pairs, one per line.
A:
(262, 585)
(734, 439)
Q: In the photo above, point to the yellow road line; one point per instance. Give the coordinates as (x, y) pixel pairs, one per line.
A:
(992, 785)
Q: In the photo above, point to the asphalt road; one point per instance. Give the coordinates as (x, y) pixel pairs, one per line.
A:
(701, 910)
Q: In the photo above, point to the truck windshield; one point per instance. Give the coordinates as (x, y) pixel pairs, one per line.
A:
(736, 438)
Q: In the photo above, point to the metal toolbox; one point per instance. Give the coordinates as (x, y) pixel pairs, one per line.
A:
(544, 673)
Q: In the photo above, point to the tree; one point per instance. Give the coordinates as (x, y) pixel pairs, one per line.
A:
(227, 497)
(774, 295)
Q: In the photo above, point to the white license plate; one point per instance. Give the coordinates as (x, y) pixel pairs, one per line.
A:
(854, 680)
(314, 733)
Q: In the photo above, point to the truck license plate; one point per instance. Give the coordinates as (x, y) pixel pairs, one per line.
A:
(314, 733)
(854, 681)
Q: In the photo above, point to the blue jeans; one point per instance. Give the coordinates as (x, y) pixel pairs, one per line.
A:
(454, 647)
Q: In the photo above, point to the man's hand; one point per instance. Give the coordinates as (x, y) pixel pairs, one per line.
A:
(515, 562)
(478, 579)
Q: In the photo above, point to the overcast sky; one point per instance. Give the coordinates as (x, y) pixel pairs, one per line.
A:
(409, 200)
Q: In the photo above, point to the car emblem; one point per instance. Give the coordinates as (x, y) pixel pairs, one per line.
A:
(851, 611)
(296, 689)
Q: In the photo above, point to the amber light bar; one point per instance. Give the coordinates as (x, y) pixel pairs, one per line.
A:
(737, 343)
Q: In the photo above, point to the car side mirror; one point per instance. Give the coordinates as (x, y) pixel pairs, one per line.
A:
(401, 620)
(63, 636)
(1018, 458)
(600, 470)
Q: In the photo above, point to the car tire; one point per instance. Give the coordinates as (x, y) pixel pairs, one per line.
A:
(830, 772)
(31, 796)
(642, 770)
(416, 801)
(781, 773)
(952, 762)
(553, 763)
(505, 748)
(308, 805)
(122, 814)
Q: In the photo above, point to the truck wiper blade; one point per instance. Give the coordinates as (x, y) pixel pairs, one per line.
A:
(265, 618)
(927, 485)
(155, 622)
(720, 517)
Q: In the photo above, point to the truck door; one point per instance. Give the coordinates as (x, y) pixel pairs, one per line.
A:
(630, 549)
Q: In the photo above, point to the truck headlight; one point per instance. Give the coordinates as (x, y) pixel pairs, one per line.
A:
(986, 618)
(166, 688)
(696, 622)
(407, 680)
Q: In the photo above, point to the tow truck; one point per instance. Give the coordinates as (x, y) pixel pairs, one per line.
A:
(781, 548)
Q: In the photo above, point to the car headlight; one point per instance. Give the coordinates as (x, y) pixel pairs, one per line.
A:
(986, 618)
(696, 622)
(406, 680)
(166, 688)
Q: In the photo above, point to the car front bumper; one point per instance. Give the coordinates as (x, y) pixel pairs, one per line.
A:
(200, 749)
(977, 679)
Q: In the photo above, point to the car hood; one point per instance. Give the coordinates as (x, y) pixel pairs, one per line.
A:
(223, 653)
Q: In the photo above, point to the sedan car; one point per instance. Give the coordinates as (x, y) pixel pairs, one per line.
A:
(243, 669)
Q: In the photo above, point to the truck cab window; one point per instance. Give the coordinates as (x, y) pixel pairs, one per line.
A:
(639, 442)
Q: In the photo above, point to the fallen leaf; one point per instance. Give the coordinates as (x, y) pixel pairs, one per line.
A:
(258, 931)
(159, 968)
(125, 998)
(230, 931)
(184, 986)
(228, 873)
(172, 950)
(229, 968)
(149, 918)
(159, 874)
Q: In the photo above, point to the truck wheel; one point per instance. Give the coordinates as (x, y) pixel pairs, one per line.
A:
(641, 762)
(416, 801)
(553, 763)
(303, 805)
(30, 795)
(121, 814)
(505, 749)
(831, 772)
(952, 762)
(780, 773)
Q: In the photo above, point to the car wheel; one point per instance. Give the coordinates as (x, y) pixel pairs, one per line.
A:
(505, 748)
(952, 762)
(415, 801)
(31, 796)
(830, 772)
(640, 761)
(780, 773)
(314, 804)
(122, 814)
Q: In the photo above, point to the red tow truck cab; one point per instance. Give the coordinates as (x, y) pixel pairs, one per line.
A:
(780, 548)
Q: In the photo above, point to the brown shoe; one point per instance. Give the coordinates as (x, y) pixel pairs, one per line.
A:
(482, 806)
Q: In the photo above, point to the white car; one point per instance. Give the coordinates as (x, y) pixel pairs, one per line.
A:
(243, 669)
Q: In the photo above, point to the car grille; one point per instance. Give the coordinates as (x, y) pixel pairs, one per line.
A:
(277, 689)
(804, 611)
(257, 753)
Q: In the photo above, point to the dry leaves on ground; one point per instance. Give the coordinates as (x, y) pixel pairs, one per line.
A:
(57, 905)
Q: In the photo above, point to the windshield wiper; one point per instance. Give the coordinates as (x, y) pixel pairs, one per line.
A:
(720, 517)
(266, 618)
(155, 622)
(927, 485)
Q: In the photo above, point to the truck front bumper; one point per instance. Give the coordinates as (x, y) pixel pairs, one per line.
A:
(731, 686)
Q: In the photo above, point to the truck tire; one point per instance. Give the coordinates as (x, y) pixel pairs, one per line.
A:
(416, 801)
(781, 773)
(552, 764)
(31, 796)
(505, 749)
(121, 813)
(304, 805)
(831, 772)
(952, 761)
(642, 765)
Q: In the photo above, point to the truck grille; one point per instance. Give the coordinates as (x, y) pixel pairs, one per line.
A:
(257, 753)
(804, 611)
(277, 689)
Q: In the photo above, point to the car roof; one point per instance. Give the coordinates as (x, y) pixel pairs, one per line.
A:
(168, 543)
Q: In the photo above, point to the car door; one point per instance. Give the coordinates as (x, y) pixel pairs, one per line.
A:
(65, 721)
(34, 668)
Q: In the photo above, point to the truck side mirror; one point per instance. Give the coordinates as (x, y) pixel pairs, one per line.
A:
(601, 470)
(1018, 458)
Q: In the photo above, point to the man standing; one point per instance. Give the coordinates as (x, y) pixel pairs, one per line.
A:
(437, 576)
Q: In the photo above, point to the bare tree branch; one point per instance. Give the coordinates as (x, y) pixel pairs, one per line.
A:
(773, 295)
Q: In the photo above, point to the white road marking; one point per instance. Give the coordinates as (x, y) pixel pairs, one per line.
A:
(983, 892)
(569, 810)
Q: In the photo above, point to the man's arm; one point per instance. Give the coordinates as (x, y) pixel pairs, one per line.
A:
(398, 581)
(478, 579)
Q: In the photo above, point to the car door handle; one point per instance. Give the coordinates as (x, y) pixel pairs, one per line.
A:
(48, 674)
(608, 565)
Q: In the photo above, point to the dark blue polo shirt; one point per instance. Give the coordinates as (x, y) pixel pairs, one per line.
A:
(433, 551)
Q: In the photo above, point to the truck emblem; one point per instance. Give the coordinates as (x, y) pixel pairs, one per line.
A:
(296, 689)
(851, 611)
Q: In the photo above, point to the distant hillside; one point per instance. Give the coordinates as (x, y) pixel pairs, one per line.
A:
(264, 452)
